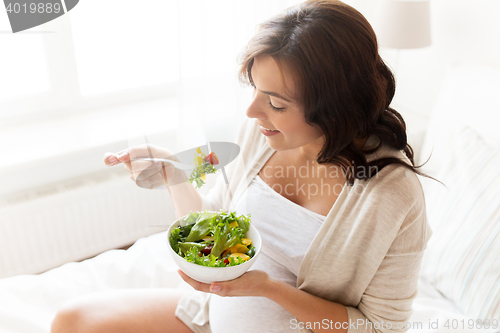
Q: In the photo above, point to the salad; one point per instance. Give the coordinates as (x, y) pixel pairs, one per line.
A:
(204, 165)
(213, 239)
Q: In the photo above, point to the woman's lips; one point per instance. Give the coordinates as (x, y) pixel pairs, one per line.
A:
(268, 132)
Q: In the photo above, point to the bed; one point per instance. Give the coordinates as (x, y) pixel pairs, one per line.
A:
(457, 284)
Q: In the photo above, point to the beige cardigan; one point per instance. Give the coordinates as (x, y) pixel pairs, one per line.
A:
(367, 253)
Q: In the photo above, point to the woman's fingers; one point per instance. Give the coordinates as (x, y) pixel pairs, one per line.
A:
(140, 166)
(205, 287)
(123, 156)
(148, 172)
(151, 182)
(144, 151)
(110, 159)
(251, 283)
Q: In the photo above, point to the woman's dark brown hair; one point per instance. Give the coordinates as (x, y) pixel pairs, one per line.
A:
(344, 85)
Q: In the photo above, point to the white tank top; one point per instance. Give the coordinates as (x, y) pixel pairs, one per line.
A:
(286, 229)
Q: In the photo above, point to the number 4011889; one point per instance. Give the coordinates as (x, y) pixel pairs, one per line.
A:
(32, 8)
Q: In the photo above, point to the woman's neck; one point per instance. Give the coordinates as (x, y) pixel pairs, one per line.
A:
(310, 152)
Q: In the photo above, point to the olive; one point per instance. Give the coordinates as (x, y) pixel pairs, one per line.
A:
(207, 249)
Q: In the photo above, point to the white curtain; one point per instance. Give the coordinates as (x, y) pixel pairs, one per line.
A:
(123, 71)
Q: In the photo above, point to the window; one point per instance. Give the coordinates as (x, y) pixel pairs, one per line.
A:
(135, 46)
(114, 52)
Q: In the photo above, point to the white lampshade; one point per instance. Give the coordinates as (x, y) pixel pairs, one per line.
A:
(403, 24)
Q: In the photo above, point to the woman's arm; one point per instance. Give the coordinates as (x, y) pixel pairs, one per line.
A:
(307, 308)
(185, 198)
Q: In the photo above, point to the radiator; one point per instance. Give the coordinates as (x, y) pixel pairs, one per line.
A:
(45, 227)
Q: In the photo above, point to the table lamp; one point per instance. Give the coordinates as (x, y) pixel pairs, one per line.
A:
(403, 24)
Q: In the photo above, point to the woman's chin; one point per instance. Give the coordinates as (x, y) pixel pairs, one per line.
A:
(275, 145)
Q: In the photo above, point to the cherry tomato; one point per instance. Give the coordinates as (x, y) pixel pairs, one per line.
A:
(212, 158)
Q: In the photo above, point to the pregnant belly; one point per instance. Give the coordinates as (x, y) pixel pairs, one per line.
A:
(248, 314)
(253, 314)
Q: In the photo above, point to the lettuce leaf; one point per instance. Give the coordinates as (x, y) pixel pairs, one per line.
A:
(201, 228)
(244, 224)
(205, 168)
(210, 260)
(225, 237)
(175, 237)
(192, 217)
(186, 246)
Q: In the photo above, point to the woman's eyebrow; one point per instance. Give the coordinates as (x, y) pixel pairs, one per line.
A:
(275, 95)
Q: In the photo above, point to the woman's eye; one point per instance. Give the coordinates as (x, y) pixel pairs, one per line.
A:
(275, 108)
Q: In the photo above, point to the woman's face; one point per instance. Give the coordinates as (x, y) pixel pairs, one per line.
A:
(274, 107)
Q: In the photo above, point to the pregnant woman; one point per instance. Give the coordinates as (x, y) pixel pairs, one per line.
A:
(329, 179)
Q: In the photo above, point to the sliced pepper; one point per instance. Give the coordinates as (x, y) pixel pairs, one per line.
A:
(238, 248)
(241, 255)
(246, 241)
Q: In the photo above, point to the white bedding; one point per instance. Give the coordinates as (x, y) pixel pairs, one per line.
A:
(431, 307)
(29, 302)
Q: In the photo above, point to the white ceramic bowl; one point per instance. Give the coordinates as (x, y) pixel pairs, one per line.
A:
(212, 274)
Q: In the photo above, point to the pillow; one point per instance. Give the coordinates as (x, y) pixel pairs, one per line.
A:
(462, 259)
(469, 96)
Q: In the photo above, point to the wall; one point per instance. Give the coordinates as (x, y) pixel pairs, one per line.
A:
(462, 31)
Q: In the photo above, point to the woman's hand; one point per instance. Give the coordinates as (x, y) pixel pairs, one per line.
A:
(144, 173)
(251, 283)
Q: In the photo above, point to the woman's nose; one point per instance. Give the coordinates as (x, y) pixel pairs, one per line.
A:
(254, 110)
